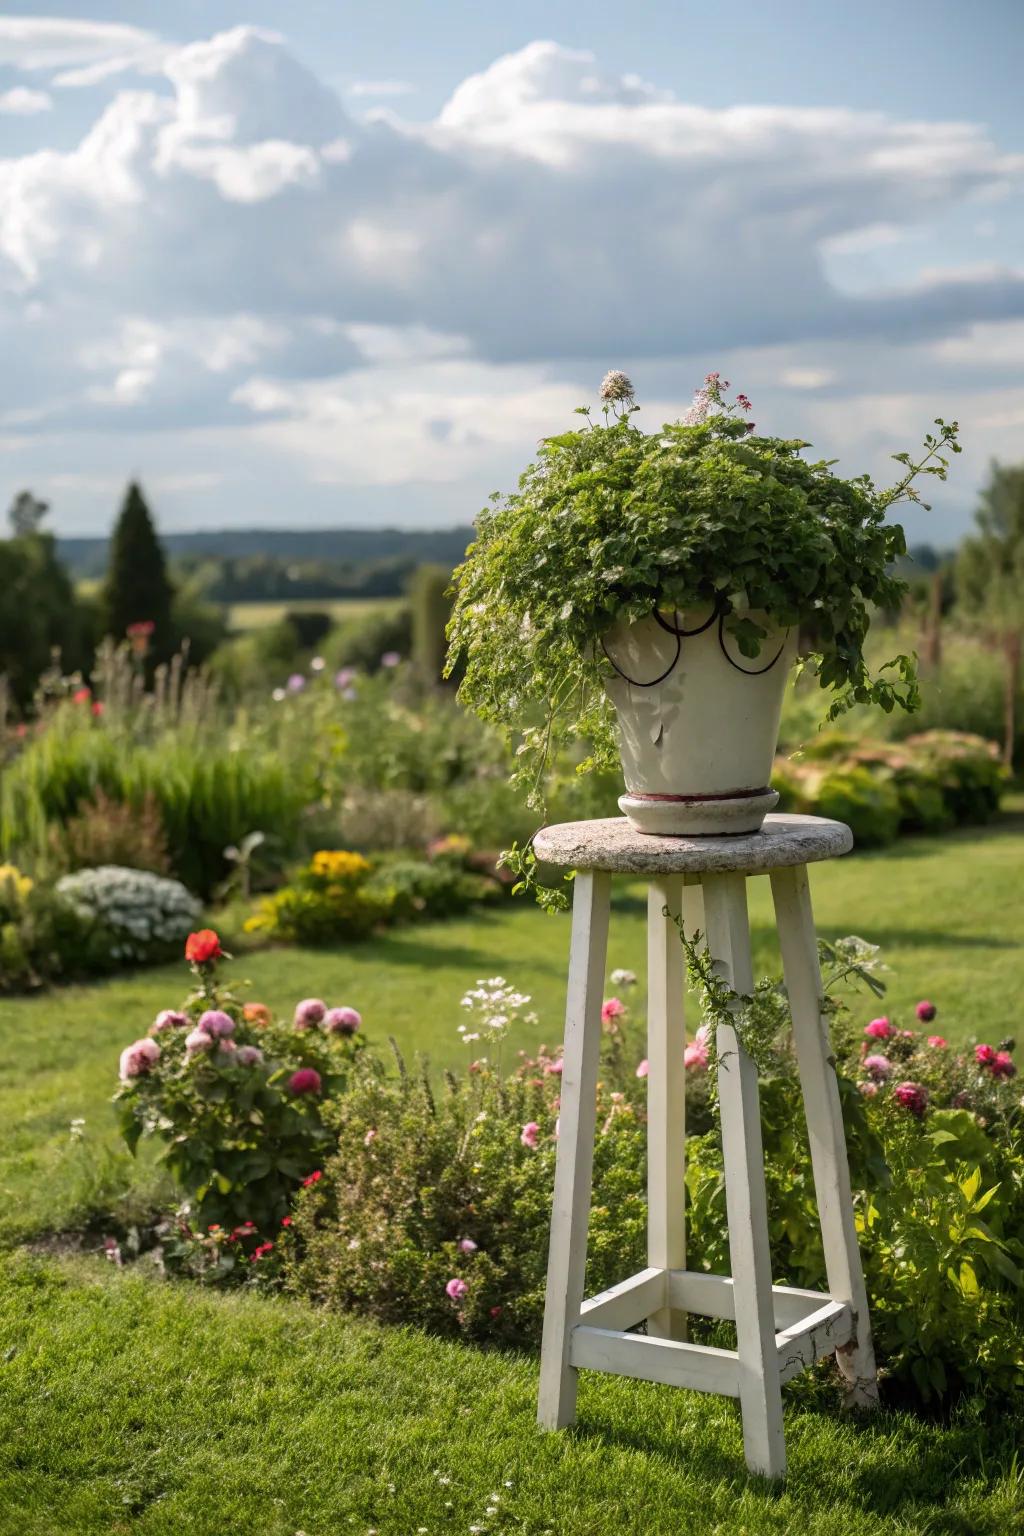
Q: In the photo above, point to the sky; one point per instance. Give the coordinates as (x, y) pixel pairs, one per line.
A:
(332, 264)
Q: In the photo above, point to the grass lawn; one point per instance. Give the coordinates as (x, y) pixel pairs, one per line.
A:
(245, 616)
(134, 1406)
(948, 911)
(131, 1405)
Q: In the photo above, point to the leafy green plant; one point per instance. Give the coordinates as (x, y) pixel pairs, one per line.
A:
(614, 523)
(330, 898)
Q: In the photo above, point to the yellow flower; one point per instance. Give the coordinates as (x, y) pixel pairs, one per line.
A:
(13, 884)
(338, 864)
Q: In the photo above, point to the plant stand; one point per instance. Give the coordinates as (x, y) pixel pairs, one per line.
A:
(779, 1330)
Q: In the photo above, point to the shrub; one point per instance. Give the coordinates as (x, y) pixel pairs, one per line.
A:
(138, 917)
(330, 899)
(418, 889)
(107, 831)
(237, 1100)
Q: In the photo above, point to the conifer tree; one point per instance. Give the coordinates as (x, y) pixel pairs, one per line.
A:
(138, 590)
(990, 580)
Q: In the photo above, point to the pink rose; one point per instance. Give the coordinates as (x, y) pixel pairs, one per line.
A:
(1003, 1065)
(643, 1069)
(879, 1029)
(456, 1289)
(913, 1096)
(216, 1022)
(697, 1053)
(878, 1067)
(342, 1021)
(309, 1013)
(554, 1067)
(937, 1042)
(926, 1011)
(137, 1059)
(198, 1041)
(530, 1134)
(169, 1018)
(249, 1055)
(612, 1009)
(985, 1055)
(467, 1245)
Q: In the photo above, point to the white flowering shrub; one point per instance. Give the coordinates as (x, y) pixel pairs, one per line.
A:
(141, 916)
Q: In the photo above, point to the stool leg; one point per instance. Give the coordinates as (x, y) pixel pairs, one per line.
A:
(570, 1214)
(666, 1094)
(799, 944)
(728, 941)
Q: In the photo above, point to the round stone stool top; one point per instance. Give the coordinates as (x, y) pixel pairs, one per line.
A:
(612, 844)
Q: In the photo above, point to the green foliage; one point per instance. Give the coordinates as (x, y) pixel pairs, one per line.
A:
(431, 609)
(613, 523)
(237, 1139)
(137, 589)
(38, 609)
(925, 783)
(420, 1170)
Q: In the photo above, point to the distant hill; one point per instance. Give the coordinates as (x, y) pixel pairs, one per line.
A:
(333, 546)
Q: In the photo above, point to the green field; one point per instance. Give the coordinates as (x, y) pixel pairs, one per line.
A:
(246, 616)
(262, 1415)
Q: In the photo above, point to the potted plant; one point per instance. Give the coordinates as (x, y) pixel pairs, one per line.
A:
(652, 592)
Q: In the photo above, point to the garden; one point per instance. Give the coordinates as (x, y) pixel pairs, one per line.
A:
(280, 1027)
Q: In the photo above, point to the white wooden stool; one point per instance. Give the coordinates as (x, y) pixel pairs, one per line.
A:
(779, 1330)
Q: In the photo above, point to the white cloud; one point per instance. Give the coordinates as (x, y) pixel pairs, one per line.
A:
(380, 88)
(22, 102)
(232, 250)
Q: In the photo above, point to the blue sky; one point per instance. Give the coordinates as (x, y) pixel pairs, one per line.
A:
(327, 263)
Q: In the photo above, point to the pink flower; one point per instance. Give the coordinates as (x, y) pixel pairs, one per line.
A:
(643, 1069)
(1003, 1065)
(553, 1068)
(249, 1055)
(530, 1134)
(227, 1048)
(878, 1067)
(985, 1054)
(612, 1009)
(342, 1021)
(879, 1029)
(138, 1058)
(370, 1137)
(697, 1054)
(913, 1096)
(216, 1022)
(309, 1013)
(198, 1041)
(868, 1089)
(390, 659)
(305, 1080)
(169, 1018)
(456, 1289)
(937, 1042)
(926, 1011)
(467, 1245)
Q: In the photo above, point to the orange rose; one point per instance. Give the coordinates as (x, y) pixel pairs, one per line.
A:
(202, 947)
(257, 1013)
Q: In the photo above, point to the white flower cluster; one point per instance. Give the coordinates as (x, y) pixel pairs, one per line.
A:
(495, 1007)
(139, 910)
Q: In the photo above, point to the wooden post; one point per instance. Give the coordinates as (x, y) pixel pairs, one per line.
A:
(570, 1215)
(666, 1093)
(799, 944)
(728, 941)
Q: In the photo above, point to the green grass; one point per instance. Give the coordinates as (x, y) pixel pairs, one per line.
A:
(246, 616)
(949, 912)
(133, 1406)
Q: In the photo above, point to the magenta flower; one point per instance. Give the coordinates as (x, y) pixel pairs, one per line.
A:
(456, 1289)
(305, 1080)
(467, 1245)
(390, 659)
(926, 1011)
(296, 683)
(169, 1018)
(1003, 1065)
(344, 678)
(878, 1067)
(342, 1021)
(216, 1022)
(530, 1134)
(137, 1058)
(879, 1029)
(554, 1068)
(612, 1009)
(643, 1069)
(937, 1042)
(913, 1097)
(986, 1055)
(198, 1041)
(249, 1055)
(309, 1013)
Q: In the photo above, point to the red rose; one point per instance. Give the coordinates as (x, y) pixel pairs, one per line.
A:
(202, 947)
(305, 1080)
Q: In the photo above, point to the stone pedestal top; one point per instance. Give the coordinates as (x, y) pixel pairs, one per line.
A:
(612, 844)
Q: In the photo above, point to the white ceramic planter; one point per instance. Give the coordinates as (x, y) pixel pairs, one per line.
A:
(698, 722)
